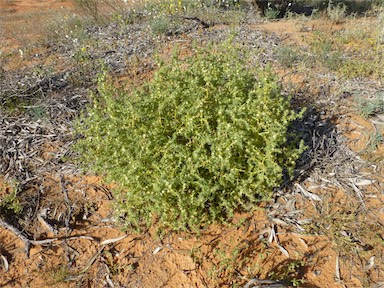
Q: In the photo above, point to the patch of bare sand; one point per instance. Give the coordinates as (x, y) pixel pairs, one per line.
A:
(24, 23)
(299, 31)
(26, 17)
(361, 134)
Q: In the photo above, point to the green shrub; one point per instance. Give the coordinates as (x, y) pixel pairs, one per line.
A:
(336, 13)
(202, 140)
(371, 107)
(9, 202)
(287, 56)
(271, 14)
(161, 25)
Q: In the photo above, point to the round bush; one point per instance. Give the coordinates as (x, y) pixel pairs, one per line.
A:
(205, 138)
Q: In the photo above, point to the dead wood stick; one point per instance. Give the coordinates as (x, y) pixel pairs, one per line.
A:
(67, 200)
(64, 190)
(18, 233)
(203, 23)
(28, 242)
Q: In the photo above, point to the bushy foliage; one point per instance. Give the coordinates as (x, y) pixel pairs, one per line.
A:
(9, 202)
(201, 140)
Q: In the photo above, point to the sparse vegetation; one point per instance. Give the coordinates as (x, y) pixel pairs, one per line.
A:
(57, 275)
(287, 56)
(289, 274)
(160, 25)
(370, 107)
(354, 53)
(9, 202)
(336, 12)
(375, 139)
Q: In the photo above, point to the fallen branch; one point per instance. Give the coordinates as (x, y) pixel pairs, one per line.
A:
(28, 242)
(18, 233)
(203, 23)
(269, 283)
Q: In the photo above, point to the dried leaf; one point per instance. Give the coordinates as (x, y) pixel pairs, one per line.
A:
(304, 243)
(109, 281)
(91, 261)
(279, 221)
(46, 225)
(312, 187)
(250, 282)
(272, 235)
(370, 263)
(337, 268)
(364, 182)
(298, 226)
(113, 240)
(358, 193)
(157, 250)
(293, 212)
(360, 182)
(344, 233)
(304, 221)
(308, 194)
(275, 284)
(283, 250)
(325, 180)
(4, 263)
